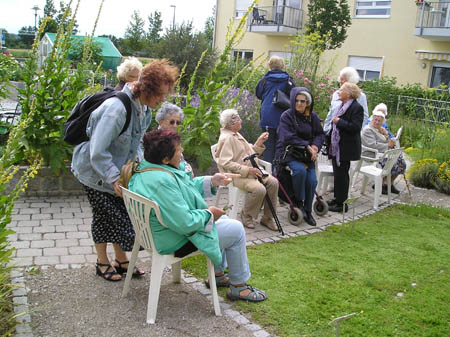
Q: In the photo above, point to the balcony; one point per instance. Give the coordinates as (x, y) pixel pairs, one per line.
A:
(275, 20)
(433, 20)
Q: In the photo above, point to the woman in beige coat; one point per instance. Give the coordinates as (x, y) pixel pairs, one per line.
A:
(231, 150)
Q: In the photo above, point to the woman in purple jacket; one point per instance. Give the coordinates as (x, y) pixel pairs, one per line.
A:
(300, 127)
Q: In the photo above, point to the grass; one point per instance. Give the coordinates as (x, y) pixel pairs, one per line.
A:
(20, 53)
(310, 280)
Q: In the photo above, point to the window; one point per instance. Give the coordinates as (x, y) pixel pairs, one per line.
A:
(440, 75)
(246, 55)
(376, 9)
(368, 67)
(286, 56)
(241, 8)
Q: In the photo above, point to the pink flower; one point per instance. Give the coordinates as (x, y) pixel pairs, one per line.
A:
(301, 73)
(110, 71)
(321, 85)
(307, 80)
(317, 97)
(327, 78)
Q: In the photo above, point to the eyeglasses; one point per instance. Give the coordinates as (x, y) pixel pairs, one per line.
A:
(300, 101)
(172, 122)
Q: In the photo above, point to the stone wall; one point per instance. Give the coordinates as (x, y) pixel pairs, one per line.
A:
(48, 184)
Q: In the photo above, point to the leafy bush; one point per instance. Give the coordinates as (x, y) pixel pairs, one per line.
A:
(423, 172)
(442, 181)
(8, 65)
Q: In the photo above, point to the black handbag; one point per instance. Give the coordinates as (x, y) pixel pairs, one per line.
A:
(281, 100)
(297, 152)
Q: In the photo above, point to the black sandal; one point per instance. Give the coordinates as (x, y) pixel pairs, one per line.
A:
(121, 270)
(108, 274)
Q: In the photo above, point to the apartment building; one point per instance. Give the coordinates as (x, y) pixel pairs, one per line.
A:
(407, 39)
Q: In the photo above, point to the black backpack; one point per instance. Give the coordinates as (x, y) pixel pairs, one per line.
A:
(75, 127)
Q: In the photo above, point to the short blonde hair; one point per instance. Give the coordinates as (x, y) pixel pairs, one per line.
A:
(352, 89)
(226, 118)
(126, 67)
(276, 63)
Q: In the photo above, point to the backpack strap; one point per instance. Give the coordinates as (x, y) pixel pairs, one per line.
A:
(156, 169)
(127, 103)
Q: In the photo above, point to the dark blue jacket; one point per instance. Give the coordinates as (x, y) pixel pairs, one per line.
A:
(298, 129)
(272, 81)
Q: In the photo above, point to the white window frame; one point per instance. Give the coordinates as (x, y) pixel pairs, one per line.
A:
(437, 65)
(372, 4)
(366, 63)
(243, 51)
(241, 7)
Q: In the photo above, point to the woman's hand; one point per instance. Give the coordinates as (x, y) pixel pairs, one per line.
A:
(383, 131)
(117, 189)
(336, 120)
(223, 179)
(217, 212)
(262, 139)
(254, 171)
(313, 150)
(391, 144)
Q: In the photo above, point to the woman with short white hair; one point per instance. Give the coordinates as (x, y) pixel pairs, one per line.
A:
(350, 75)
(169, 116)
(128, 71)
(382, 108)
(231, 150)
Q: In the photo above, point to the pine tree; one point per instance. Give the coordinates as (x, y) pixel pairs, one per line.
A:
(134, 34)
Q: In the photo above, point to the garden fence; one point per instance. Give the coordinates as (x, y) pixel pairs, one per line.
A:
(429, 110)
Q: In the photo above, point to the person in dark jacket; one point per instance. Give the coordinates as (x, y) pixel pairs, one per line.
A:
(345, 142)
(300, 126)
(275, 79)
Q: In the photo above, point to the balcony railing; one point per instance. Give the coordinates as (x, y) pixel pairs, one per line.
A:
(433, 19)
(275, 20)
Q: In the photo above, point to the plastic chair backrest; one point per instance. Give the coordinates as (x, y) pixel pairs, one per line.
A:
(397, 137)
(140, 209)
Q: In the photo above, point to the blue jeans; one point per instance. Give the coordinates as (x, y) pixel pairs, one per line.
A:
(234, 252)
(304, 182)
(270, 143)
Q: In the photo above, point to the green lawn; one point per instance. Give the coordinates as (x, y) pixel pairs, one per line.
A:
(310, 280)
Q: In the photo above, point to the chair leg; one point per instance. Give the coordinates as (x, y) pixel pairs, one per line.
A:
(389, 188)
(131, 265)
(376, 197)
(176, 272)
(213, 287)
(158, 264)
(364, 185)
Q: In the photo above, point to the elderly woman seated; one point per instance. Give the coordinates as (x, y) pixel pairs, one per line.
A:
(191, 224)
(383, 108)
(376, 137)
(231, 151)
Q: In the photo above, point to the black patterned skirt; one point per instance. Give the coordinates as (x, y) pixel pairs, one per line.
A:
(110, 220)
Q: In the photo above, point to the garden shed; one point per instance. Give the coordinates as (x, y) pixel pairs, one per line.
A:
(111, 55)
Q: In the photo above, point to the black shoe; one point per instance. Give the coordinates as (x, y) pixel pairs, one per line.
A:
(309, 219)
(394, 190)
(338, 208)
(384, 189)
(331, 202)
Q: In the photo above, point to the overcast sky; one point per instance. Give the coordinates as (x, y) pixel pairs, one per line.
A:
(115, 14)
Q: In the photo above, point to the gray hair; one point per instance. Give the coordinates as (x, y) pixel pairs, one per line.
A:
(227, 116)
(307, 95)
(381, 107)
(126, 67)
(350, 74)
(168, 109)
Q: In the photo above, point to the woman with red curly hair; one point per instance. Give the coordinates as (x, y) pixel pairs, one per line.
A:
(97, 162)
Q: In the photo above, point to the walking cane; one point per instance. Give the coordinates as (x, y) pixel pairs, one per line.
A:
(269, 202)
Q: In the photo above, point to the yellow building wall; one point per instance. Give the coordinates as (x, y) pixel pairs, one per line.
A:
(391, 38)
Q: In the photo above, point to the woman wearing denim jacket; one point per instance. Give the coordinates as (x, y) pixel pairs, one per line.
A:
(97, 162)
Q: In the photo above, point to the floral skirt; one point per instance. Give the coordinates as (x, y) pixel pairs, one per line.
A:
(110, 220)
(399, 166)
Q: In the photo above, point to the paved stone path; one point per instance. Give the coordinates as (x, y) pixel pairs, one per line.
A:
(56, 232)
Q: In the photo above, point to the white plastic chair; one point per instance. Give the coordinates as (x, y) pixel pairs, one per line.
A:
(376, 174)
(365, 160)
(397, 137)
(139, 210)
(324, 170)
(235, 194)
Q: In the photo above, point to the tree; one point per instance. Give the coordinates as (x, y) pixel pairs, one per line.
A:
(65, 20)
(26, 35)
(56, 17)
(154, 28)
(77, 51)
(182, 45)
(330, 19)
(50, 11)
(209, 27)
(134, 34)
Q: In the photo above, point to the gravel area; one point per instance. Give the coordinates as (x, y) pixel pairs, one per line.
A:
(76, 302)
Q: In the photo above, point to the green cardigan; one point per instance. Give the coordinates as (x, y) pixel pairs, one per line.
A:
(183, 209)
